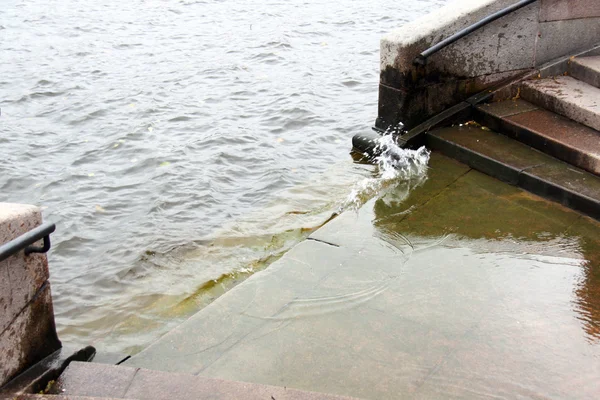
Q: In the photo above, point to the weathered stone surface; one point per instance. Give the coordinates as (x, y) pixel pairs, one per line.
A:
(30, 337)
(414, 104)
(27, 274)
(566, 96)
(97, 380)
(586, 69)
(400, 47)
(554, 10)
(53, 397)
(17, 219)
(20, 276)
(563, 38)
(6, 307)
(27, 332)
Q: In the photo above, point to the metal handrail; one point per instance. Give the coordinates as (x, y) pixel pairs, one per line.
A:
(421, 59)
(25, 241)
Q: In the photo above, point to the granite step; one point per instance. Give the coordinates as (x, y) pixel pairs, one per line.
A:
(586, 69)
(566, 96)
(546, 131)
(29, 396)
(117, 381)
(520, 165)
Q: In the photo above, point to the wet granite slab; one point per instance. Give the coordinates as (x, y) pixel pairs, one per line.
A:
(53, 397)
(568, 186)
(94, 380)
(101, 380)
(486, 151)
(456, 287)
(507, 108)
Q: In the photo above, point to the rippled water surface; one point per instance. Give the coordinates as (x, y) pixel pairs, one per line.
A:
(180, 145)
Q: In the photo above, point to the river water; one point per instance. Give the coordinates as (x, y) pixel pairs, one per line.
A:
(180, 145)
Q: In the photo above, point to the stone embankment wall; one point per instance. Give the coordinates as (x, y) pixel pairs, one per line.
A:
(512, 45)
(27, 329)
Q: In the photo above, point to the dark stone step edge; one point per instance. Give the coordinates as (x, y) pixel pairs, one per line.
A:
(37, 377)
(516, 177)
(548, 146)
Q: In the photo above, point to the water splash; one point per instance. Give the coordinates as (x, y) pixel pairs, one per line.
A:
(394, 164)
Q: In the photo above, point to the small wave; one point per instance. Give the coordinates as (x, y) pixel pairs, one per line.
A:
(88, 117)
(39, 95)
(351, 83)
(127, 45)
(179, 119)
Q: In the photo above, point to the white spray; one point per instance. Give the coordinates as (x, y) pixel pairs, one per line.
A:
(395, 164)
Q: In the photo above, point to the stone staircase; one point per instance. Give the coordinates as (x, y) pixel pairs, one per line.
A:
(546, 139)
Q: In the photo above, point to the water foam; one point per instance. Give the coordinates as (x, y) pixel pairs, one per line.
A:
(394, 164)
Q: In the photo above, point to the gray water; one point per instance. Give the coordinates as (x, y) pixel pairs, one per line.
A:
(175, 143)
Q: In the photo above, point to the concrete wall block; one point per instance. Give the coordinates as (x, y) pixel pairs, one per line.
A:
(27, 274)
(401, 46)
(413, 106)
(507, 44)
(561, 38)
(27, 329)
(21, 276)
(556, 10)
(31, 336)
(17, 219)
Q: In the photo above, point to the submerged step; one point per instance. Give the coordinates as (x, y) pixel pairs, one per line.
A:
(586, 69)
(546, 131)
(520, 165)
(567, 96)
(410, 299)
